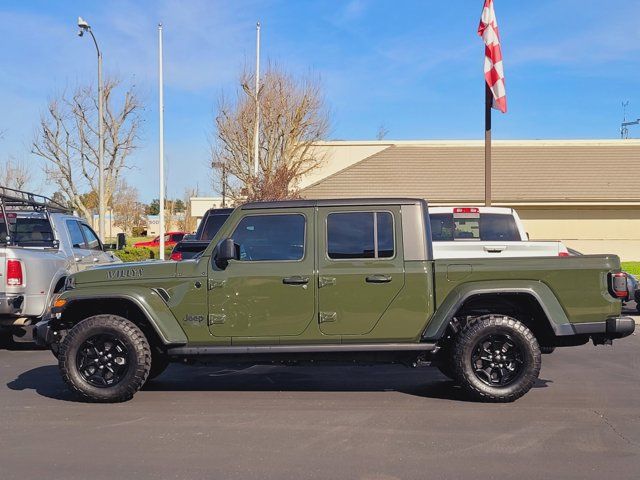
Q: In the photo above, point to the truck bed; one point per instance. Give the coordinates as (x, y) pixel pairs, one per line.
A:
(572, 280)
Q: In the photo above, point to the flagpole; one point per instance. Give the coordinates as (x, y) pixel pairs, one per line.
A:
(488, 100)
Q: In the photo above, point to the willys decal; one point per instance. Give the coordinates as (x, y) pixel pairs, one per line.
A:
(125, 273)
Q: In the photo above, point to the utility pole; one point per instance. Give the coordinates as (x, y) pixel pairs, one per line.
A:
(161, 136)
(256, 133)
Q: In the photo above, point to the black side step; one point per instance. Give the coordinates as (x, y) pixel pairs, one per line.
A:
(356, 347)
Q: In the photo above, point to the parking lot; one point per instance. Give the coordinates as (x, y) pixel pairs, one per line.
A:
(582, 420)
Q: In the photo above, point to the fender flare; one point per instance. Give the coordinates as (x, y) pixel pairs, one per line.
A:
(151, 305)
(543, 295)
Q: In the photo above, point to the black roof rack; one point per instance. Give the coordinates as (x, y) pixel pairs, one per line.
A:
(12, 199)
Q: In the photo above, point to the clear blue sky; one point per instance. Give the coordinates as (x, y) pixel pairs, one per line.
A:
(414, 66)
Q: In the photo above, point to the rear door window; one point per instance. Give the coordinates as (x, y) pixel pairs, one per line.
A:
(478, 227)
(359, 235)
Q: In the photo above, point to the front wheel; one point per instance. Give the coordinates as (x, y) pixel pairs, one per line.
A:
(497, 358)
(105, 358)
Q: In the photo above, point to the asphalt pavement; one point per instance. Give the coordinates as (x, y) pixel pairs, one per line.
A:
(581, 421)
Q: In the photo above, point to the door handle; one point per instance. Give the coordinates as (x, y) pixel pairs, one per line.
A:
(495, 248)
(378, 279)
(96, 259)
(297, 280)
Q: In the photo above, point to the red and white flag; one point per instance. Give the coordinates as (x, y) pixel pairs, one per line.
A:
(493, 71)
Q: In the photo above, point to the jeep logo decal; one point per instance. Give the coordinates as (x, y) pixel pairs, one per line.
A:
(194, 319)
(125, 273)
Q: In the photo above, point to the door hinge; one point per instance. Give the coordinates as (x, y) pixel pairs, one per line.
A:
(324, 281)
(328, 317)
(217, 318)
(216, 283)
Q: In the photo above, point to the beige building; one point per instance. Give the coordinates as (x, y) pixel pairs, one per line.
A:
(583, 192)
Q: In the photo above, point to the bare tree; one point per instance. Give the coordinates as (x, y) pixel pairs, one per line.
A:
(14, 174)
(129, 212)
(293, 116)
(67, 139)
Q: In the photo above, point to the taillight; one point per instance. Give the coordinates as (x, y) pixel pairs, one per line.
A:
(619, 284)
(177, 256)
(466, 210)
(563, 254)
(14, 273)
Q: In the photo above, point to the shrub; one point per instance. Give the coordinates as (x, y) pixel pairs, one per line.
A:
(132, 254)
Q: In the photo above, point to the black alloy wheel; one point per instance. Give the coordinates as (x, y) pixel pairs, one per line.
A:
(103, 360)
(497, 359)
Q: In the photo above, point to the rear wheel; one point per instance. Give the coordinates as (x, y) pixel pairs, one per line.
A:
(497, 358)
(105, 358)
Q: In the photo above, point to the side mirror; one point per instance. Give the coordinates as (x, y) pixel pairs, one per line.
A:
(108, 247)
(227, 250)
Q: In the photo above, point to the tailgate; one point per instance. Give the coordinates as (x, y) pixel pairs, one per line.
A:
(497, 249)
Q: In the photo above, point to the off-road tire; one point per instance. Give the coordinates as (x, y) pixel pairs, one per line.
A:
(139, 358)
(469, 339)
(546, 350)
(159, 363)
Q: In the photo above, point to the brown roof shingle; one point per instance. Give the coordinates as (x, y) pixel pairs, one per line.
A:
(521, 173)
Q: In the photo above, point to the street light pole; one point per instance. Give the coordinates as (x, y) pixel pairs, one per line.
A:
(85, 27)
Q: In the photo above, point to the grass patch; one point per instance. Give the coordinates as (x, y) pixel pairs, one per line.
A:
(631, 267)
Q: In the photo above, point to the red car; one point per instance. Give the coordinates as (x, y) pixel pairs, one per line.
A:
(170, 239)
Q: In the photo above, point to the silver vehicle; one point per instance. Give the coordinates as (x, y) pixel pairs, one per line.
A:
(41, 242)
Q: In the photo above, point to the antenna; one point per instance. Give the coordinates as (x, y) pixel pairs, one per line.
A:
(624, 126)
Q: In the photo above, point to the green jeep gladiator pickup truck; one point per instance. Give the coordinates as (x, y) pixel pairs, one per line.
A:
(331, 280)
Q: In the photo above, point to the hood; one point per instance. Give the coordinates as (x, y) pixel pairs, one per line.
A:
(127, 272)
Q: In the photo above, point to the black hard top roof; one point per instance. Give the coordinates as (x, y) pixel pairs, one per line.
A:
(338, 202)
(219, 211)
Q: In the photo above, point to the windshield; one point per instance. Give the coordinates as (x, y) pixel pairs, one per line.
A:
(27, 231)
(446, 227)
(212, 225)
